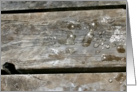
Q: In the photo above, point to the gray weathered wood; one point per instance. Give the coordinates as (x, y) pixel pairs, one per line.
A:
(64, 39)
(43, 39)
(65, 82)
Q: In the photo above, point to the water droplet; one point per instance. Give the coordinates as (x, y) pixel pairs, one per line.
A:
(71, 26)
(107, 46)
(120, 49)
(103, 57)
(102, 43)
(87, 39)
(71, 35)
(94, 24)
(96, 45)
(70, 39)
(110, 80)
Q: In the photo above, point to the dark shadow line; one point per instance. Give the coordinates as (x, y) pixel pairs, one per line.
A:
(70, 70)
(123, 6)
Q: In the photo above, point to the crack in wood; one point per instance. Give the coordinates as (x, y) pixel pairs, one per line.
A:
(70, 70)
(123, 6)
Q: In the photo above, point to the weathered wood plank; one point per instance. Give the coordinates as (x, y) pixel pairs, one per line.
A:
(65, 82)
(56, 39)
(22, 5)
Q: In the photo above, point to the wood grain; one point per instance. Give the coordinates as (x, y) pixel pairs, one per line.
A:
(65, 82)
(43, 40)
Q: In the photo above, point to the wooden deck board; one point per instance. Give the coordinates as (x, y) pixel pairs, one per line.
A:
(43, 40)
(65, 82)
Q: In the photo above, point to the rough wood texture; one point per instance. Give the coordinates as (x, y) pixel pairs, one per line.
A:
(56, 39)
(74, 40)
(21, 5)
(65, 82)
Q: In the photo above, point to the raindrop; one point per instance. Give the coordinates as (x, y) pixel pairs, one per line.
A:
(110, 80)
(107, 46)
(102, 43)
(104, 57)
(120, 49)
(94, 24)
(70, 39)
(96, 45)
(71, 26)
(87, 39)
